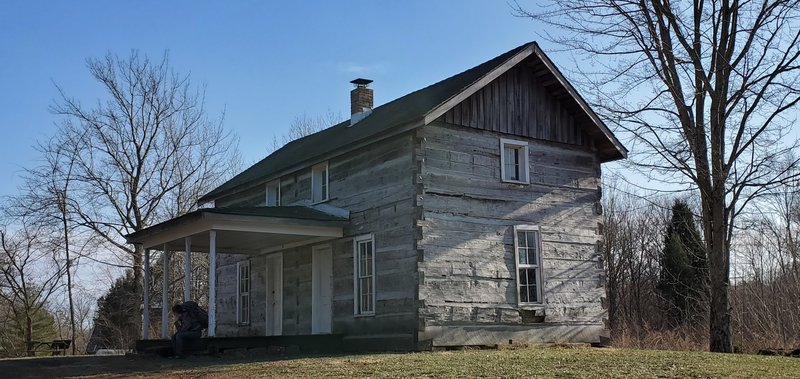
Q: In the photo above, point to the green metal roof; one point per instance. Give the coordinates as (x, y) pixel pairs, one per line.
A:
(282, 213)
(294, 211)
(405, 112)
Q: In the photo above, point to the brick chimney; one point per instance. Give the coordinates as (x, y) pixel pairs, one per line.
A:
(360, 100)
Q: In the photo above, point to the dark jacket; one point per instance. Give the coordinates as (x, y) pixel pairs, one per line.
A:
(187, 323)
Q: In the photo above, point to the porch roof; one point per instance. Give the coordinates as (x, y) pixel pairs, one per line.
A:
(243, 229)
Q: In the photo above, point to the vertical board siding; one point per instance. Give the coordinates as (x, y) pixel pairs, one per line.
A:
(517, 103)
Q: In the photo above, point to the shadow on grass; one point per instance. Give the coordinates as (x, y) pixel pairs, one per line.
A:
(123, 366)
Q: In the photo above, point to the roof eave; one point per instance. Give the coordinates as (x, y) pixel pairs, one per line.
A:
(623, 152)
(481, 82)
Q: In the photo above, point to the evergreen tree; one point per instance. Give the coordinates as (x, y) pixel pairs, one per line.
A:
(13, 325)
(116, 324)
(684, 268)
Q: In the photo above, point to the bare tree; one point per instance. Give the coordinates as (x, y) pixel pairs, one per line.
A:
(704, 90)
(31, 275)
(632, 240)
(142, 154)
(44, 201)
(764, 295)
(304, 125)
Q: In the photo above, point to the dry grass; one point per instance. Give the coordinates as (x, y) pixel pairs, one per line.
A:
(677, 340)
(561, 362)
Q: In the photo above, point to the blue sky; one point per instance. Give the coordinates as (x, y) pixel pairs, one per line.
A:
(262, 62)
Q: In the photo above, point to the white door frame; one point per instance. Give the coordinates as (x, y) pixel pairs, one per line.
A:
(274, 326)
(321, 289)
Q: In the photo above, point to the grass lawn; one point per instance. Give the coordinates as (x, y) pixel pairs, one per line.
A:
(549, 362)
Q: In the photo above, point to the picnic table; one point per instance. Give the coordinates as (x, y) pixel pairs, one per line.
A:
(56, 347)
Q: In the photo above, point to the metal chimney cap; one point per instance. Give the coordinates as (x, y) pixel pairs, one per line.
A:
(361, 82)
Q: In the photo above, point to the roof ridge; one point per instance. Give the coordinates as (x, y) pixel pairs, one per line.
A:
(405, 112)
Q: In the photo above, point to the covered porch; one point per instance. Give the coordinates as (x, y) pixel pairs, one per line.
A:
(239, 230)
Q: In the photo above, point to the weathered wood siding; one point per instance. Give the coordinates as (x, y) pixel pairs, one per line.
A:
(467, 214)
(226, 296)
(517, 103)
(256, 196)
(375, 185)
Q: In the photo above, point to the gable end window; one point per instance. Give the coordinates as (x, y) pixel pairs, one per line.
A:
(514, 165)
(274, 193)
(364, 275)
(319, 183)
(527, 251)
(243, 292)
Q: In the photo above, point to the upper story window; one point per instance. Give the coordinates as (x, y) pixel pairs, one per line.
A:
(364, 275)
(319, 183)
(274, 193)
(243, 292)
(514, 166)
(527, 246)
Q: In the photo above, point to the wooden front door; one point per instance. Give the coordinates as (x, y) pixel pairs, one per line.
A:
(274, 286)
(321, 289)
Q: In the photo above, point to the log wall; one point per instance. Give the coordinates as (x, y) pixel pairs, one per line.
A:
(375, 185)
(467, 214)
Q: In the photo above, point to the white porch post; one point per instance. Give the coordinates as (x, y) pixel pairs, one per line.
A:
(146, 296)
(165, 307)
(187, 269)
(212, 283)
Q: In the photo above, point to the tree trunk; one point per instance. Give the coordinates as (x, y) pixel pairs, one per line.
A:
(69, 286)
(29, 335)
(720, 339)
(138, 277)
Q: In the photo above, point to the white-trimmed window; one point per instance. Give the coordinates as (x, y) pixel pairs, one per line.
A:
(243, 292)
(527, 251)
(364, 275)
(319, 182)
(274, 193)
(514, 166)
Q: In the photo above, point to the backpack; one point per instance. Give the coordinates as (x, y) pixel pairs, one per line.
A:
(198, 314)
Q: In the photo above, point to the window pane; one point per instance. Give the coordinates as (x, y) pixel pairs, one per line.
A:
(531, 239)
(272, 195)
(533, 296)
(531, 253)
(510, 162)
(324, 187)
(509, 155)
(523, 277)
(523, 294)
(522, 241)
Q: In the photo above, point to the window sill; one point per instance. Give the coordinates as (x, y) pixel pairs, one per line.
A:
(372, 314)
(320, 202)
(531, 306)
(514, 181)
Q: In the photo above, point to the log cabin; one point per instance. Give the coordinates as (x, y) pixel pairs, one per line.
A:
(465, 213)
